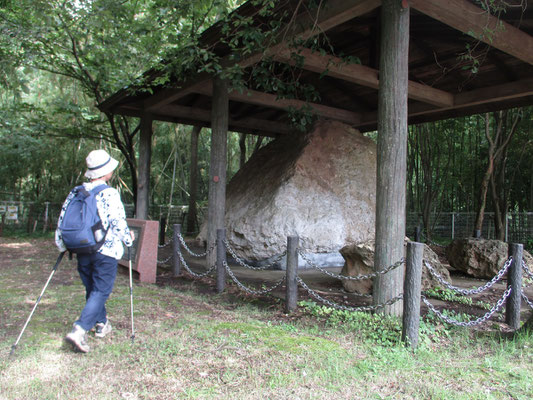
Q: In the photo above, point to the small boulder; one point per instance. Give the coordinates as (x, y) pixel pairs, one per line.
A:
(480, 258)
(359, 260)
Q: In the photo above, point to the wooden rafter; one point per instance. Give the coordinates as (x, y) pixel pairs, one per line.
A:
(468, 18)
(271, 100)
(305, 26)
(361, 75)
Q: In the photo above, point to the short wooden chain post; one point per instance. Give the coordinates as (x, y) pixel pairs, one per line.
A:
(176, 268)
(291, 297)
(411, 294)
(221, 259)
(514, 281)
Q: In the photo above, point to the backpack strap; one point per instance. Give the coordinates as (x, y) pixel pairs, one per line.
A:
(99, 188)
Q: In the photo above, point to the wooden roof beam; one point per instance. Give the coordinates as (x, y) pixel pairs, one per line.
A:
(467, 17)
(306, 25)
(247, 125)
(167, 96)
(362, 75)
(472, 98)
(271, 100)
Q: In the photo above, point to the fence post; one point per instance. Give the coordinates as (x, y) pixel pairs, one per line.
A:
(514, 280)
(411, 294)
(162, 228)
(176, 269)
(453, 225)
(221, 259)
(291, 296)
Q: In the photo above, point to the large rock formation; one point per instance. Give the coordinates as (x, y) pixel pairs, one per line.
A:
(359, 260)
(319, 186)
(480, 258)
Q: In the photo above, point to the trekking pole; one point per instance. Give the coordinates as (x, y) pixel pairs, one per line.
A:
(131, 298)
(14, 347)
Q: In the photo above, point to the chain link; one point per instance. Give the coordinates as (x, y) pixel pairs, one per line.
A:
(431, 242)
(162, 246)
(198, 255)
(165, 260)
(247, 289)
(245, 265)
(526, 269)
(529, 302)
(477, 321)
(180, 255)
(332, 304)
(351, 278)
(477, 290)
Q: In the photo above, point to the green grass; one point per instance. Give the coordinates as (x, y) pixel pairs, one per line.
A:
(207, 346)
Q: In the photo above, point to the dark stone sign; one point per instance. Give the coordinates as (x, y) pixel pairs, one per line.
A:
(144, 249)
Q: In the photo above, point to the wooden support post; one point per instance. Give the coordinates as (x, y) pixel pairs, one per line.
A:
(411, 294)
(193, 181)
(391, 152)
(176, 266)
(514, 280)
(221, 259)
(291, 296)
(217, 168)
(145, 155)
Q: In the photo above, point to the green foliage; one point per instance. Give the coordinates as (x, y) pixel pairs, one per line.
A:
(378, 328)
(449, 295)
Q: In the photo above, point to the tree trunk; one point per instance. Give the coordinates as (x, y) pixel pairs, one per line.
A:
(391, 153)
(192, 217)
(145, 154)
(217, 168)
(498, 142)
(484, 185)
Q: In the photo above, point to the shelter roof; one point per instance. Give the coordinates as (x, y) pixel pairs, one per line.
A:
(462, 61)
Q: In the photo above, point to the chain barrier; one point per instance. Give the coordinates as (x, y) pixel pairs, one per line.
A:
(466, 292)
(180, 255)
(431, 242)
(198, 255)
(245, 265)
(332, 304)
(351, 278)
(165, 260)
(480, 320)
(247, 289)
(529, 302)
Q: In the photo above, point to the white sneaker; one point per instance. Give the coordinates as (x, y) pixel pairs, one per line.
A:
(78, 338)
(101, 329)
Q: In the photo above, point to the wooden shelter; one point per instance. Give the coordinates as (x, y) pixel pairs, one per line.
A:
(419, 61)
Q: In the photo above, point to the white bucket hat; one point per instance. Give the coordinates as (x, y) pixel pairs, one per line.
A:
(99, 163)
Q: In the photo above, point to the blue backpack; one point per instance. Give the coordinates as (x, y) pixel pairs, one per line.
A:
(81, 229)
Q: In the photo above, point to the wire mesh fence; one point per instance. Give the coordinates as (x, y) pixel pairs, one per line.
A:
(447, 226)
(41, 217)
(36, 217)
